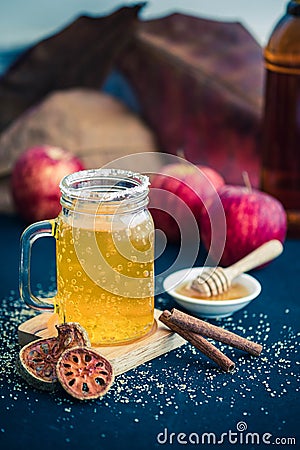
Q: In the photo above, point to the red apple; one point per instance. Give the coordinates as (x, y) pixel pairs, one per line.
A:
(252, 217)
(35, 181)
(177, 195)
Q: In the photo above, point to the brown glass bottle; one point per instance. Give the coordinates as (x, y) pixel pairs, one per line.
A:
(281, 124)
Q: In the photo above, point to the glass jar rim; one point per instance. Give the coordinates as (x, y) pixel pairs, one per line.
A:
(105, 185)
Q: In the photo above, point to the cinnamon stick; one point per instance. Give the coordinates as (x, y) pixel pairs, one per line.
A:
(200, 343)
(192, 324)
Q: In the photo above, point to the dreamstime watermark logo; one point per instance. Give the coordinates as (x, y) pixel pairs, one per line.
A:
(239, 436)
(163, 200)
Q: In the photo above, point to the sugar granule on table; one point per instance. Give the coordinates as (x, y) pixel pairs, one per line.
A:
(161, 390)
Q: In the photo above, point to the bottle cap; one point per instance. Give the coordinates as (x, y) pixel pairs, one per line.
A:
(293, 7)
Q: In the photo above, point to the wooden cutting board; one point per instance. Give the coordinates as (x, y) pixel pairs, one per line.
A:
(123, 357)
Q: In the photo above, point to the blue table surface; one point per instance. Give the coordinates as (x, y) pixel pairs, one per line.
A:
(175, 399)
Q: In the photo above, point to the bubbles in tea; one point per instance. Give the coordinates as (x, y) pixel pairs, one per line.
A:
(105, 278)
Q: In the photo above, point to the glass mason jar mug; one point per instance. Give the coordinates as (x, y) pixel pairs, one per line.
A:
(104, 255)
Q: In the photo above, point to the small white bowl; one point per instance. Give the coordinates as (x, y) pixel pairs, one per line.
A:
(210, 308)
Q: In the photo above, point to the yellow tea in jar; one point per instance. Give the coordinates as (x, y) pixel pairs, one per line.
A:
(104, 254)
(105, 279)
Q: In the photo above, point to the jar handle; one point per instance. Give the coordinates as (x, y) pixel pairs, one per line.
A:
(44, 228)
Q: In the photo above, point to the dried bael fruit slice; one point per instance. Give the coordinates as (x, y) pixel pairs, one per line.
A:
(37, 360)
(84, 373)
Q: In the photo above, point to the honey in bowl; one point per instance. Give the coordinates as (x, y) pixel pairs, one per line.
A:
(237, 290)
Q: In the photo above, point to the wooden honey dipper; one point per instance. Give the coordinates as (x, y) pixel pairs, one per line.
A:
(217, 280)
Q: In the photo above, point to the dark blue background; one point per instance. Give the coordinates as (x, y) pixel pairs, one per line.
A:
(181, 391)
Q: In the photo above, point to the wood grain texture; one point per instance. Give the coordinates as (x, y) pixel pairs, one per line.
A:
(123, 357)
